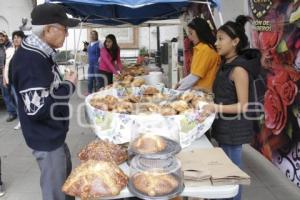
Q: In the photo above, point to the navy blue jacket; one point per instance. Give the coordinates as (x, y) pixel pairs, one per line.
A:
(42, 98)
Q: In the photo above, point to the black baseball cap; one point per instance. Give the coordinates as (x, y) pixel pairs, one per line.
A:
(51, 13)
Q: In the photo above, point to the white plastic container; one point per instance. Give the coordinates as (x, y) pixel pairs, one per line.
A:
(153, 78)
(155, 178)
(154, 136)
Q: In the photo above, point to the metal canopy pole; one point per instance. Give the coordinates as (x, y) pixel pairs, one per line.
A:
(158, 46)
(149, 40)
(77, 46)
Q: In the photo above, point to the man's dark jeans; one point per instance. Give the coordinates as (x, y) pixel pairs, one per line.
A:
(8, 99)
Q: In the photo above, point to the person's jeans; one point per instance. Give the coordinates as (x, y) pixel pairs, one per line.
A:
(94, 81)
(234, 152)
(8, 99)
(14, 93)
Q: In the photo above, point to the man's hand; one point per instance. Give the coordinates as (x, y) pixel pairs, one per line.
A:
(176, 86)
(118, 75)
(71, 76)
(206, 110)
(5, 82)
(210, 108)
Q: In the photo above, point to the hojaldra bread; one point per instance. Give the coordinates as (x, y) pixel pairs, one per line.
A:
(154, 183)
(95, 179)
(103, 150)
(149, 143)
(150, 91)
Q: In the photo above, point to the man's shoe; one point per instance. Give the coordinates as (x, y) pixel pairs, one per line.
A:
(18, 126)
(11, 118)
(2, 190)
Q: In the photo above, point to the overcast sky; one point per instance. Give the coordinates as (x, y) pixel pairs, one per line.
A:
(40, 1)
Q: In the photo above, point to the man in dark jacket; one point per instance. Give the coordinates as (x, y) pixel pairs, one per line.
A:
(5, 91)
(43, 96)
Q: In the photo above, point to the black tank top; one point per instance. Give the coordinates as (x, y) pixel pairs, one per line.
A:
(231, 129)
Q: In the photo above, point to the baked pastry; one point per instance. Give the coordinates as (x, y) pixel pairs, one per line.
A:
(137, 82)
(167, 110)
(149, 143)
(190, 110)
(187, 96)
(125, 83)
(123, 107)
(150, 91)
(100, 102)
(209, 97)
(110, 101)
(97, 102)
(94, 179)
(132, 98)
(134, 71)
(140, 71)
(180, 105)
(159, 97)
(154, 183)
(149, 107)
(128, 78)
(196, 100)
(146, 98)
(103, 150)
(100, 105)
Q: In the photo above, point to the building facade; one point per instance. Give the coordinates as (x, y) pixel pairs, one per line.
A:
(12, 12)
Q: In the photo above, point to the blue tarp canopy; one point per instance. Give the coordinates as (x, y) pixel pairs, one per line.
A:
(117, 12)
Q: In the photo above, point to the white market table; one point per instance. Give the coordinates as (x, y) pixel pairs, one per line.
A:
(193, 190)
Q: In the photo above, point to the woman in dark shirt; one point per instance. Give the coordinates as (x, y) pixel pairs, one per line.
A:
(232, 87)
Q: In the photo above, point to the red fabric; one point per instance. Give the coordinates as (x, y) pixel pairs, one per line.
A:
(275, 112)
(283, 83)
(188, 53)
(281, 93)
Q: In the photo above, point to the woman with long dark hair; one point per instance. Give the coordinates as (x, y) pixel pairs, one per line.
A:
(233, 89)
(110, 62)
(205, 60)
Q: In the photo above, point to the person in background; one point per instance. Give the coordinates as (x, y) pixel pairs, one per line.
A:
(43, 96)
(93, 49)
(233, 90)
(110, 62)
(205, 59)
(85, 46)
(5, 91)
(17, 37)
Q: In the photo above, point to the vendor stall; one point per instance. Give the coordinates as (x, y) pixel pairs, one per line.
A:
(154, 122)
